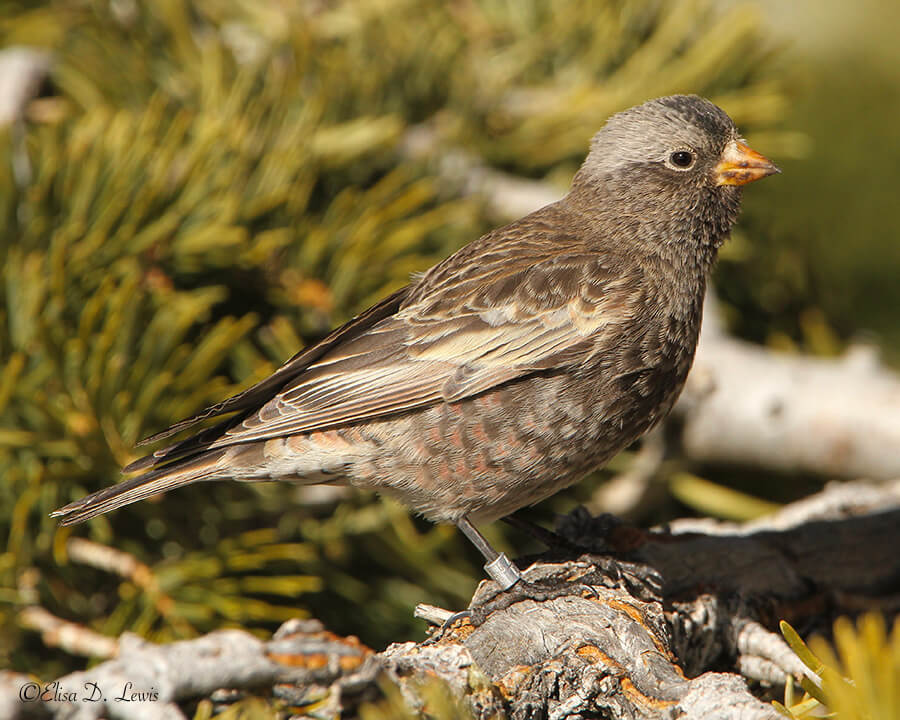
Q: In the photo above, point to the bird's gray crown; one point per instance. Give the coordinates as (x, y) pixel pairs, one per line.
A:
(649, 133)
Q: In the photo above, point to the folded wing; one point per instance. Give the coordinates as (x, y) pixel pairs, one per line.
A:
(441, 351)
(504, 307)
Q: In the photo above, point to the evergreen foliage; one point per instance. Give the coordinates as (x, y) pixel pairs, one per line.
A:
(857, 678)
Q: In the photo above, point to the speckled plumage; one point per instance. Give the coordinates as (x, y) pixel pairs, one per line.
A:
(515, 366)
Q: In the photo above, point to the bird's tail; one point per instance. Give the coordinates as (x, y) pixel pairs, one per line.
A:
(206, 466)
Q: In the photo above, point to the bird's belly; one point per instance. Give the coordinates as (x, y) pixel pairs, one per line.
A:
(488, 456)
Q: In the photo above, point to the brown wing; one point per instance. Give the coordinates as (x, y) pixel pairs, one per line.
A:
(521, 299)
(257, 395)
(513, 315)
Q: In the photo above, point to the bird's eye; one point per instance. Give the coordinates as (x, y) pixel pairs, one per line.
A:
(681, 159)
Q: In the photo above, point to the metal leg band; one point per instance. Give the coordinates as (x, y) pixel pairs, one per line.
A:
(502, 571)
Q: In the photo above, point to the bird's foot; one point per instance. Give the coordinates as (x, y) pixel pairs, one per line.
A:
(462, 616)
(538, 591)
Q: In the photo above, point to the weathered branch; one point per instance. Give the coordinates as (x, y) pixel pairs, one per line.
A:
(71, 637)
(146, 681)
(657, 624)
(746, 404)
(22, 69)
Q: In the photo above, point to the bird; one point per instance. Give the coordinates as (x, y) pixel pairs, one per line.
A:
(511, 369)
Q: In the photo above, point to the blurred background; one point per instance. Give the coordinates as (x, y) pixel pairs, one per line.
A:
(191, 191)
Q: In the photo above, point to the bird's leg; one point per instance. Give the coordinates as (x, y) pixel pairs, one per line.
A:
(498, 567)
(512, 586)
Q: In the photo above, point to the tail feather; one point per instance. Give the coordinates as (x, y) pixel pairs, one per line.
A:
(178, 474)
(191, 446)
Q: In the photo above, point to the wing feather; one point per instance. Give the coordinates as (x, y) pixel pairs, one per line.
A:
(520, 300)
(252, 396)
(420, 356)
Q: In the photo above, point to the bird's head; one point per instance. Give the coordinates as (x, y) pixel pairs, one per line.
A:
(676, 160)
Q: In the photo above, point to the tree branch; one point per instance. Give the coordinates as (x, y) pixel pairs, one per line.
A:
(746, 404)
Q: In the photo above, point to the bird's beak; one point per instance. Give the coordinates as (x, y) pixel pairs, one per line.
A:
(740, 165)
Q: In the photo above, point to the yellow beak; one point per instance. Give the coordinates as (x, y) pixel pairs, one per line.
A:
(740, 165)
